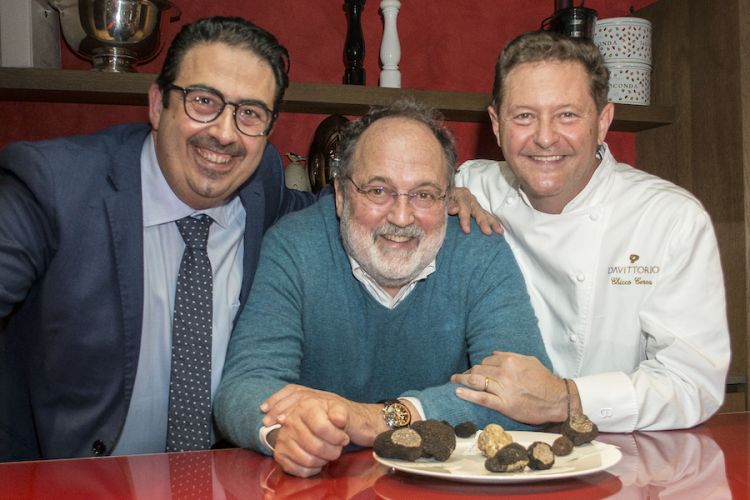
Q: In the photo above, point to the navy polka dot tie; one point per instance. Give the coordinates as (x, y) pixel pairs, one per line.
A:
(189, 423)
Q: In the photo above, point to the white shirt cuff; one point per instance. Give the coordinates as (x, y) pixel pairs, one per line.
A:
(417, 406)
(264, 432)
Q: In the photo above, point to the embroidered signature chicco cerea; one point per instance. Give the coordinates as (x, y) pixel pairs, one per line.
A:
(633, 273)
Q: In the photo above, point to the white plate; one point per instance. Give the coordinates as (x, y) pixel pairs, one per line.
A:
(467, 463)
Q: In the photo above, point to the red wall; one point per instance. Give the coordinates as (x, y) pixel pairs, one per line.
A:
(445, 45)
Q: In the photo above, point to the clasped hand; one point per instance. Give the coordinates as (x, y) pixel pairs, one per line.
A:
(517, 386)
(316, 426)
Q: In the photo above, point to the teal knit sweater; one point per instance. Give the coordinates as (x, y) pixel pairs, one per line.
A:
(308, 321)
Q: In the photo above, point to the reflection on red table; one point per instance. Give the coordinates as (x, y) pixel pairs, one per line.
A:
(707, 462)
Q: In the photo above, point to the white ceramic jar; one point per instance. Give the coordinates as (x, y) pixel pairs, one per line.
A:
(624, 39)
(629, 83)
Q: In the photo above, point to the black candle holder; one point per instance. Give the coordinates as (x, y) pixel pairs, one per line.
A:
(354, 49)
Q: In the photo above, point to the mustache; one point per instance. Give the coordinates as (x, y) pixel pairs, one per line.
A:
(207, 142)
(388, 229)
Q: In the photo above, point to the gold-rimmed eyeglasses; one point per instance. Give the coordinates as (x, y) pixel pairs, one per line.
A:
(204, 105)
(423, 198)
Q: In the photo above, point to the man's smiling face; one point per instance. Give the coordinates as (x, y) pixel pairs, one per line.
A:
(396, 241)
(548, 128)
(205, 163)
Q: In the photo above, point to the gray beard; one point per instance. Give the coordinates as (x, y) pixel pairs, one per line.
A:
(390, 269)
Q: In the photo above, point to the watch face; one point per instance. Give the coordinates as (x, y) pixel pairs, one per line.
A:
(396, 415)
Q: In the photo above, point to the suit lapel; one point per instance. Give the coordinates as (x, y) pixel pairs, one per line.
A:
(125, 216)
(253, 200)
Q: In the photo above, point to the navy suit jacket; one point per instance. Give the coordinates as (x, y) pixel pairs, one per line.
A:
(71, 285)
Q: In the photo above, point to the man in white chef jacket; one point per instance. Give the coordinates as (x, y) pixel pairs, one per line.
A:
(622, 267)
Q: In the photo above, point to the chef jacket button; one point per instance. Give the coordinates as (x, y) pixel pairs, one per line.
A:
(606, 412)
(98, 448)
(581, 277)
(594, 216)
(573, 337)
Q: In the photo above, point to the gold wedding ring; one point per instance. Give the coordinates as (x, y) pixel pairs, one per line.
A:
(486, 383)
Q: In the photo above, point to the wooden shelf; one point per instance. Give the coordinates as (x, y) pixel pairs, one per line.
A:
(76, 86)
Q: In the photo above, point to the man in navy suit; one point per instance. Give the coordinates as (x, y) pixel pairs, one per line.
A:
(89, 248)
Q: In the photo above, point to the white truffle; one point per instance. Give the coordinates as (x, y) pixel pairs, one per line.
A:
(492, 439)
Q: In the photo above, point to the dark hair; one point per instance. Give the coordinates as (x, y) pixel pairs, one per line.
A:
(537, 46)
(401, 108)
(232, 31)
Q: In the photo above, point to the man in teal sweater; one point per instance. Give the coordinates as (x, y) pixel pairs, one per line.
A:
(364, 305)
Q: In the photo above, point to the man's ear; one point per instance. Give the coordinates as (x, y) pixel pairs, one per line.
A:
(273, 127)
(155, 105)
(338, 188)
(495, 123)
(605, 120)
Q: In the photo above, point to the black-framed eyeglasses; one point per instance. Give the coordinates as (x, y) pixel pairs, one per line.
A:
(205, 105)
(424, 198)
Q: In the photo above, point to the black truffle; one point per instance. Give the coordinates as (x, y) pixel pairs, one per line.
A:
(465, 429)
(562, 446)
(438, 439)
(541, 456)
(402, 444)
(579, 429)
(511, 458)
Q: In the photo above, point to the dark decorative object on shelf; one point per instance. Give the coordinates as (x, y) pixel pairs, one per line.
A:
(323, 151)
(354, 49)
(576, 22)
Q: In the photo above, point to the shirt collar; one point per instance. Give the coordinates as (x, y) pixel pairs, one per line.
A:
(378, 293)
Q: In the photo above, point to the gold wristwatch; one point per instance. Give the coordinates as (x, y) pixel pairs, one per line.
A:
(396, 414)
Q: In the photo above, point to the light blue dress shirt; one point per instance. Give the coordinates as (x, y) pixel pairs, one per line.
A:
(145, 427)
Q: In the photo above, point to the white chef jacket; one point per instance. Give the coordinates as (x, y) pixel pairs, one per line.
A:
(628, 288)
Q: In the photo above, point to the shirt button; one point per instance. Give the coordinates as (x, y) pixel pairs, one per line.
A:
(573, 338)
(594, 216)
(606, 412)
(581, 277)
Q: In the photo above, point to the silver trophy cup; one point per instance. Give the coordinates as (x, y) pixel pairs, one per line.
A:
(114, 35)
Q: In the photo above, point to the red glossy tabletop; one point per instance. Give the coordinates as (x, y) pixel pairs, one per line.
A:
(711, 461)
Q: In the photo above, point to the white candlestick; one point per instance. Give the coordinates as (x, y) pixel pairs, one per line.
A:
(390, 48)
